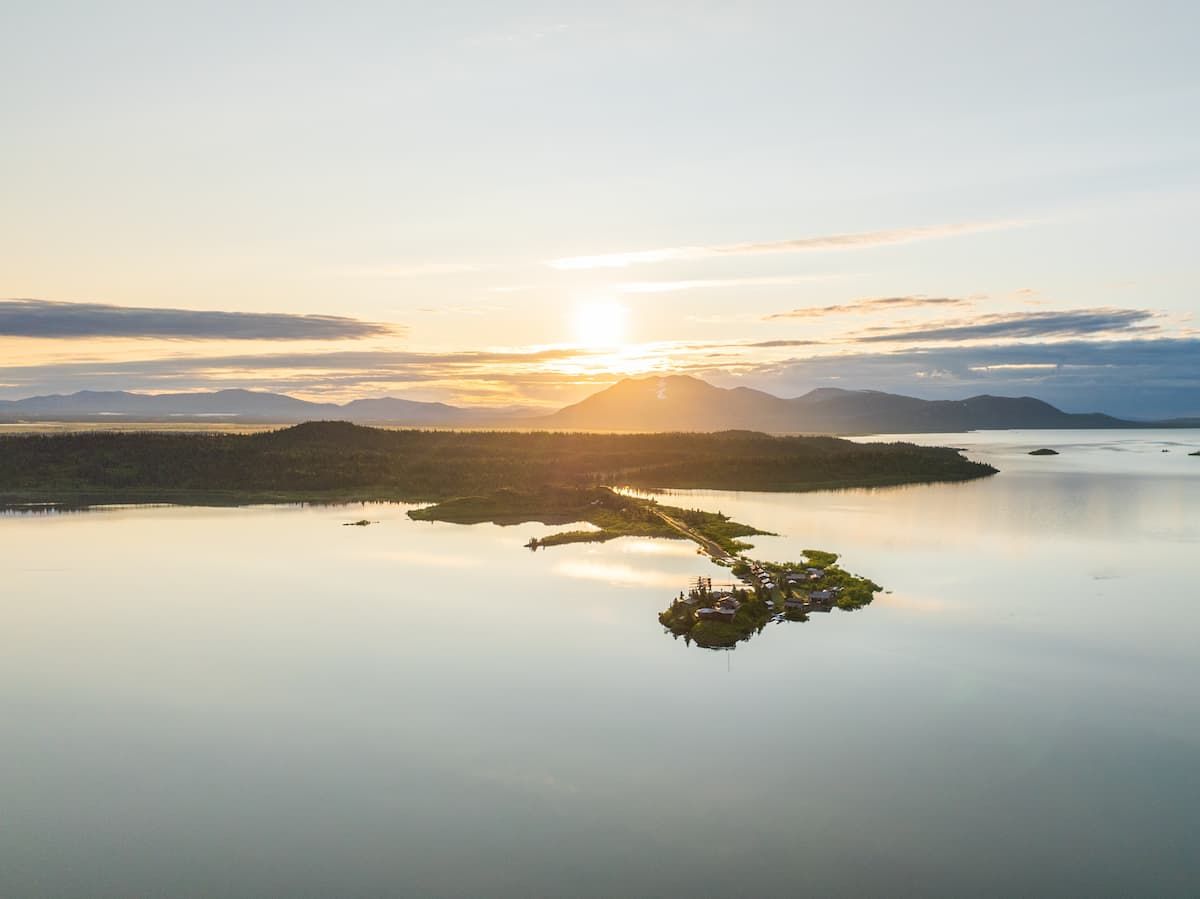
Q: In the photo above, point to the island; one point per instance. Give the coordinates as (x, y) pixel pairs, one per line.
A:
(609, 482)
(1044, 451)
(719, 618)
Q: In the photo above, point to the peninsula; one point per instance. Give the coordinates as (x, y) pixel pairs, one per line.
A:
(507, 478)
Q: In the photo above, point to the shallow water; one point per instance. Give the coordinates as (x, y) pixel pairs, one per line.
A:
(260, 701)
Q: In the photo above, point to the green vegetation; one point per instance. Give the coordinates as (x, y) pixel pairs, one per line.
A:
(716, 527)
(337, 462)
(1044, 451)
(717, 619)
(361, 523)
(817, 558)
(751, 616)
(613, 514)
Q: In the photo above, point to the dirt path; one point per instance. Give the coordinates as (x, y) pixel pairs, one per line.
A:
(710, 547)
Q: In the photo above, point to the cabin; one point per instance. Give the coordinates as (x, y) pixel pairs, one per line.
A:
(715, 614)
(822, 596)
(794, 603)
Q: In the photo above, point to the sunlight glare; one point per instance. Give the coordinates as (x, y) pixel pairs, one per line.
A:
(601, 324)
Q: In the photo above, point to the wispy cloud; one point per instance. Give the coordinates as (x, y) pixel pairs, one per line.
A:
(778, 344)
(636, 287)
(854, 241)
(460, 310)
(518, 35)
(872, 304)
(1072, 323)
(408, 270)
(49, 319)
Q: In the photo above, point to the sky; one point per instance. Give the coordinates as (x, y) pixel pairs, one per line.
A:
(512, 203)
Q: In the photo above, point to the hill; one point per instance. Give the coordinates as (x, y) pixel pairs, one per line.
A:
(343, 461)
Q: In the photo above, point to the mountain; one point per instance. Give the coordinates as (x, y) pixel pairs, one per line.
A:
(392, 409)
(681, 403)
(236, 405)
(221, 404)
(674, 403)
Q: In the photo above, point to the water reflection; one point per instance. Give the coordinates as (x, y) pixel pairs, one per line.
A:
(262, 702)
(618, 573)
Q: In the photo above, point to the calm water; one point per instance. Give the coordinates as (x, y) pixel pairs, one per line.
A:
(256, 702)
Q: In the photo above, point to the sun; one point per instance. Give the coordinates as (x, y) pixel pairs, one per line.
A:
(601, 324)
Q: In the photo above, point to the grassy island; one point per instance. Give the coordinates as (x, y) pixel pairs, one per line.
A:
(1044, 451)
(768, 591)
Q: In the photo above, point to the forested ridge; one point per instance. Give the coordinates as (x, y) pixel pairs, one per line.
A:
(337, 460)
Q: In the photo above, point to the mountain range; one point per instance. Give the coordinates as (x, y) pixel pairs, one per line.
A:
(673, 403)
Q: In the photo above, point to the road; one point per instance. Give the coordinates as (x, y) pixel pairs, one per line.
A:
(710, 547)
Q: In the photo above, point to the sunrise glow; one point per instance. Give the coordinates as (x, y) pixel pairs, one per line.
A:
(601, 324)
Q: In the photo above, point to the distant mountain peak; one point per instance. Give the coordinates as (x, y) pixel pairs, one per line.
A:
(686, 403)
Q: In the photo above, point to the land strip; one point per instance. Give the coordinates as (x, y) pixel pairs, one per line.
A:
(336, 461)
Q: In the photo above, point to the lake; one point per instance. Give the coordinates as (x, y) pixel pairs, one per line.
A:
(260, 701)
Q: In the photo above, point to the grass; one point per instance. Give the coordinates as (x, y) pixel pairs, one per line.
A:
(613, 515)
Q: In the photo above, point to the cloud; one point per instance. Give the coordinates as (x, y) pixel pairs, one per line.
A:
(635, 287)
(855, 241)
(872, 304)
(1072, 323)
(518, 36)
(460, 310)
(409, 270)
(47, 319)
(304, 371)
(775, 344)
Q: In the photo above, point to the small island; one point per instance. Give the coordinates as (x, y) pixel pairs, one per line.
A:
(768, 591)
(1044, 451)
(1196, 453)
